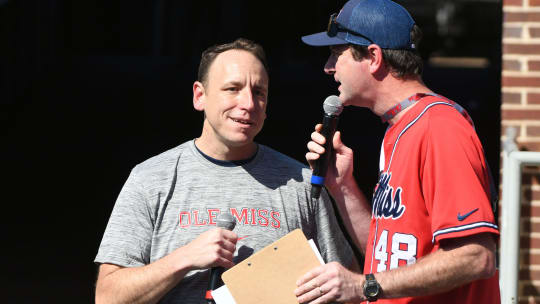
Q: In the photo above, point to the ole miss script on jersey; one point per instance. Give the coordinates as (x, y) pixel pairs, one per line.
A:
(433, 185)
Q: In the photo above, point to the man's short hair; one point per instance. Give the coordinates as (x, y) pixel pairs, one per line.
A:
(210, 54)
(402, 63)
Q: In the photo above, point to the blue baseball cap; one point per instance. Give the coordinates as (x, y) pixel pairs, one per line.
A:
(365, 22)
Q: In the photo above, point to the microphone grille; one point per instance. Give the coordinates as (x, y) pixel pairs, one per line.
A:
(332, 105)
(226, 221)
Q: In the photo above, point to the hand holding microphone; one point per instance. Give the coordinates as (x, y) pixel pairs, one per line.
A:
(332, 108)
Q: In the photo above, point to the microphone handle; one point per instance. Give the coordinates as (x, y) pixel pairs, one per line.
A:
(321, 165)
(214, 283)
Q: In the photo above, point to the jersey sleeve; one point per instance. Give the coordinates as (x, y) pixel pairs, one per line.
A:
(333, 245)
(127, 238)
(456, 179)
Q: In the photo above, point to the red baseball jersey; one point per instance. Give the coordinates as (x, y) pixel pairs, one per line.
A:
(434, 184)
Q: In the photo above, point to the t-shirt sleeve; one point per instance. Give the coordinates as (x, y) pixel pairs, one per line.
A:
(333, 245)
(127, 238)
(456, 180)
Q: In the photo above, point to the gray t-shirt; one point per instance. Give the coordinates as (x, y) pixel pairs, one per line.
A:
(171, 198)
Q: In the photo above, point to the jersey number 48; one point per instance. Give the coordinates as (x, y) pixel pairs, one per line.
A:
(403, 248)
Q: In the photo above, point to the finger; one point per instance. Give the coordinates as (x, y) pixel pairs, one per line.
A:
(223, 240)
(225, 262)
(310, 275)
(308, 297)
(228, 246)
(318, 138)
(307, 282)
(314, 147)
(304, 288)
(311, 158)
(222, 237)
(229, 236)
(318, 127)
(322, 299)
(307, 292)
(324, 292)
(224, 257)
(314, 296)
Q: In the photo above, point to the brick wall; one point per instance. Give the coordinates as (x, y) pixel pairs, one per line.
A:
(521, 109)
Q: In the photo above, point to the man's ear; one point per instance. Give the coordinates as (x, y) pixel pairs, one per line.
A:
(198, 96)
(375, 57)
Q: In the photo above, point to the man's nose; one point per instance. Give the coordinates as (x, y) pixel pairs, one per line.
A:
(330, 66)
(246, 99)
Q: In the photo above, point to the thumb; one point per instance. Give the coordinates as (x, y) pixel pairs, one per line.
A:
(339, 146)
(336, 142)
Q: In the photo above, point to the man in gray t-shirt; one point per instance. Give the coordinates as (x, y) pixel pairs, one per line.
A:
(161, 238)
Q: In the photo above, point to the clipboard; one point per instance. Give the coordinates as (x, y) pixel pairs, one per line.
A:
(270, 275)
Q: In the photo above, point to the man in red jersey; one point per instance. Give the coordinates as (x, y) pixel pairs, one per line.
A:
(429, 235)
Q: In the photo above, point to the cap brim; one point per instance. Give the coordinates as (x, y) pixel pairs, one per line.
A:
(322, 39)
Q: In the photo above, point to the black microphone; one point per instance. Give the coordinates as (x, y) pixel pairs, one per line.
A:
(332, 108)
(224, 221)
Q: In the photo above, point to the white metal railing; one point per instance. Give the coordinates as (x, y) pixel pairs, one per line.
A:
(513, 161)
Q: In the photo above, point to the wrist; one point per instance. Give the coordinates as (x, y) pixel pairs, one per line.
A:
(348, 185)
(182, 261)
(371, 289)
(341, 185)
(344, 187)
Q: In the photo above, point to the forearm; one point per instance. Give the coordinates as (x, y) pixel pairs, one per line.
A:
(146, 284)
(354, 210)
(441, 271)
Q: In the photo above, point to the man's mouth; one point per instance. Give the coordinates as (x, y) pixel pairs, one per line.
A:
(338, 83)
(241, 121)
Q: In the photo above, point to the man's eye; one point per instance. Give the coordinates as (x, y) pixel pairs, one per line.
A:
(336, 51)
(261, 94)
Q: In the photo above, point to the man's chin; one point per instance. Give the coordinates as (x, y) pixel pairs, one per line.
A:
(350, 100)
(240, 140)
(344, 100)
